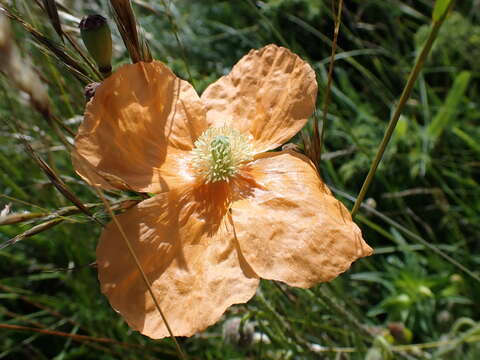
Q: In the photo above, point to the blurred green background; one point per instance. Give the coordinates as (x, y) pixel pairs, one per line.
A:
(417, 297)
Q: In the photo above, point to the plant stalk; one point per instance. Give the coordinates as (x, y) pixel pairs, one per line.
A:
(401, 104)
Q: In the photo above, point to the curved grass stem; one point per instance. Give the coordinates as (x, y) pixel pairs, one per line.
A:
(436, 25)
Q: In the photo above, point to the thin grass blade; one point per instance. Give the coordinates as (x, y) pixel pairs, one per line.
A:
(52, 12)
(135, 43)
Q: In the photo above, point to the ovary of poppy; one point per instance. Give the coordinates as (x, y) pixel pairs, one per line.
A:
(226, 211)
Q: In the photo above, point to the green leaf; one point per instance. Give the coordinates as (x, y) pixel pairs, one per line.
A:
(470, 141)
(441, 6)
(446, 113)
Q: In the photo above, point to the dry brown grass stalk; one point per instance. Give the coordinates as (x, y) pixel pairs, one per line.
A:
(56, 180)
(50, 7)
(19, 217)
(18, 70)
(131, 33)
(59, 51)
(32, 231)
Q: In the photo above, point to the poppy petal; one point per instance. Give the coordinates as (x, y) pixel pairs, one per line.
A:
(138, 128)
(195, 269)
(269, 94)
(292, 229)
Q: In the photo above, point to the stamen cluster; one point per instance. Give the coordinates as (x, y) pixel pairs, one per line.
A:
(219, 153)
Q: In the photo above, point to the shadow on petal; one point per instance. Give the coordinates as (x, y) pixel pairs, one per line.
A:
(141, 122)
(192, 263)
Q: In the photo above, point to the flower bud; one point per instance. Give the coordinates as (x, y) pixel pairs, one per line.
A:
(97, 38)
(238, 334)
(400, 333)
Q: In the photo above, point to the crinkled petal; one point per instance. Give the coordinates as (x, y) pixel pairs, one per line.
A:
(292, 229)
(139, 127)
(269, 94)
(193, 265)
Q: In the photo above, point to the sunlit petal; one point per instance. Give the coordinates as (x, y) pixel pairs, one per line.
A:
(292, 229)
(269, 94)
(139, 127)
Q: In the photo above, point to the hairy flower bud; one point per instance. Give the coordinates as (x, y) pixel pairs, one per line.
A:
(97, 38)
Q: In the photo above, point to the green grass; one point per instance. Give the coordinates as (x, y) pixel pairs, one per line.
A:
(423, 213)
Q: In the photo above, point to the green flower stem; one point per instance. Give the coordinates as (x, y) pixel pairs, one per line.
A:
(401, 103)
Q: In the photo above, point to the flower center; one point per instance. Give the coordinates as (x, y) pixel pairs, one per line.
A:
(219, 153)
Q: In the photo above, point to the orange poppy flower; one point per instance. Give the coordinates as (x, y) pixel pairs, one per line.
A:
(226, 211)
